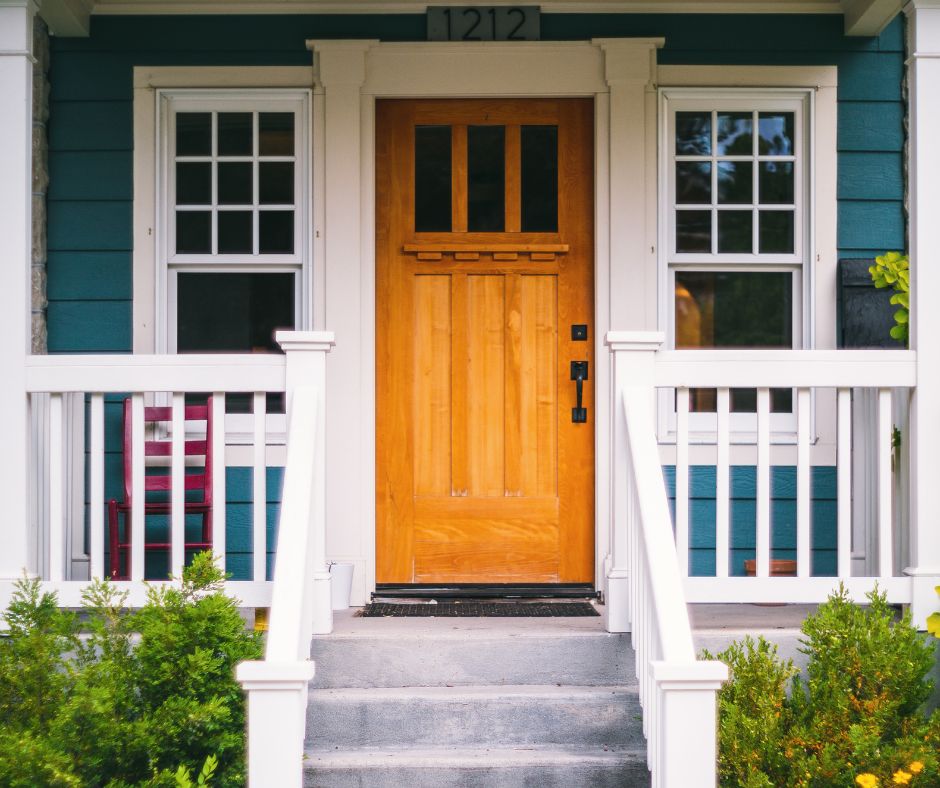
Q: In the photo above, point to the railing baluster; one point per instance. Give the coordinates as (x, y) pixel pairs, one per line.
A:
(137, 487)
(56, 491)
(682, 479)
(763, 482)
(218, 478)
(803, 484)
(96, 484)
(723, 485)
(178, 485)
(844, 483)
(885, 545)
(259, 544)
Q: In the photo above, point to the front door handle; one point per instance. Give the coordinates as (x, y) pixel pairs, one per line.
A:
(579, 373)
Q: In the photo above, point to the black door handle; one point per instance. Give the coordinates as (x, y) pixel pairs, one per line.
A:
(579, 373)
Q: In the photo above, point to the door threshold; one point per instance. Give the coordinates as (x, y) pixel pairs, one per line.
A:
(485, 591)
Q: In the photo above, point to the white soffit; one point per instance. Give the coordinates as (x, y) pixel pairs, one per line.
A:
(862, 17)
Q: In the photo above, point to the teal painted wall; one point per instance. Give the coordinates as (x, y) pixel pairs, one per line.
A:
(743, 515)
(91, 147)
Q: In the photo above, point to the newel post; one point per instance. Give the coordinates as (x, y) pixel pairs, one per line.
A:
(633, 355)
(306, 368)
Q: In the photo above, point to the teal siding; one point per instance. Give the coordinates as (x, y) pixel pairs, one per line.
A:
(743, 511)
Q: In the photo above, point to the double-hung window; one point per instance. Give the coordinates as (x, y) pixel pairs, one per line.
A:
(234, 248)
(735, 178)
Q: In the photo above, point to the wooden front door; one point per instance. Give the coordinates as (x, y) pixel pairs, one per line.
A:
(485, 254)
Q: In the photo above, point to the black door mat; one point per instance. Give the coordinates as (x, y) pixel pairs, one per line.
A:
(475, 609)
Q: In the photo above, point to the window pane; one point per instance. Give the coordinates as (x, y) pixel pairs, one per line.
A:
(539, 152)
(693, 231)
(735, 133)
(693, 182)
(432, 179)
(727, 309)
(276, 182)
(735, 231)
(228, 312)
(194, 134)
(235, 232)
(193, 183)
(235, 183)
(735, 182)
(235, 134)
(193, 232)
(276, 232)
(486, 178)
(776, 133)
(276, 134)
(693, 133)
(776, 231)
(741, 400)
(776, 182)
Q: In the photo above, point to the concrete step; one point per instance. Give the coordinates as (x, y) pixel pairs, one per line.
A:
(465, 652)
(477, 768)
(502, 716)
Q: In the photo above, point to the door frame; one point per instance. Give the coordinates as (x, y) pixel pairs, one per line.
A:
(619, 74)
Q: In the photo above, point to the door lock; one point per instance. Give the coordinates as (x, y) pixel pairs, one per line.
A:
(579, 373)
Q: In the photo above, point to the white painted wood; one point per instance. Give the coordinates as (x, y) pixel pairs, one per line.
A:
(786, 368)
(923, 29)
(191, 372)
(844, 484)
(790, 590)
(723, 485)
(803, 486)
(178, 486)
(885, 485)
(763, 482)
(869, 17)
(56, 491)
(682, 480)
(259, 498)
(218, 478)
(96, 485)
(137, 519)
(16, 69)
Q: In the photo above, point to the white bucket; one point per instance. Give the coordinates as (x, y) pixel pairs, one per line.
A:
(341, 573)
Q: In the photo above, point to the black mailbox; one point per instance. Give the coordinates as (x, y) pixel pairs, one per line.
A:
(866, 315)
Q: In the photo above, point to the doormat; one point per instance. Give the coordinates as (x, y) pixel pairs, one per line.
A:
(474, 609)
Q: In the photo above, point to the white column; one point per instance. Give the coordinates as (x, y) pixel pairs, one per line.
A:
(16, 74)
(633, 355)
(306, 369)
(277, 709)
(340, 70)
(924, 168)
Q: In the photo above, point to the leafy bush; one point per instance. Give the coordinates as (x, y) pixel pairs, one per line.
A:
(857, 720)
(145, 698)
(892, 269)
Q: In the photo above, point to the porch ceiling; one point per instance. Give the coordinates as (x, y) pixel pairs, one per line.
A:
(862, 17)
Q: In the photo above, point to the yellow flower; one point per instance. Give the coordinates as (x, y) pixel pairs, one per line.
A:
(917, 767)
(867, 780)
(902, 777)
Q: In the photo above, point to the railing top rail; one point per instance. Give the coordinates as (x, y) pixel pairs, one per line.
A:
(786, 368)
(229, 372)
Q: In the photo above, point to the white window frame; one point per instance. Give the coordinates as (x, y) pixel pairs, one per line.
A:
(800, 263)
(169, 264)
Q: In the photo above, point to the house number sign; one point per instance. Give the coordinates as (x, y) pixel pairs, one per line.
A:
(483, 23)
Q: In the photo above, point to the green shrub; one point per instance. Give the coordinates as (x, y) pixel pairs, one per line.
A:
(857, 719)
(145, 698)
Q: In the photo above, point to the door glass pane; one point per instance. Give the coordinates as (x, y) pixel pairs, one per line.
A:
(193, 232)
(276, 134)
(194, 134)
(486, 178)
(726, 309)
(234, 134)
(693, 182)
(235, 183)
(432, 179)
(694, 133)
(539, 179)
(235, 232)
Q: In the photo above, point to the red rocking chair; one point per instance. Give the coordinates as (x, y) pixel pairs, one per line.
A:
(120, 540)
